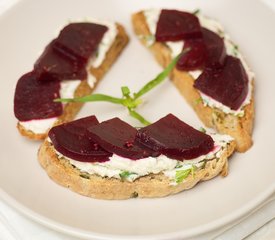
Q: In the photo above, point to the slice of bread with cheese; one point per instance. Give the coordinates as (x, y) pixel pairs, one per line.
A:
(121, 177)
(236, 125)
(85, 87)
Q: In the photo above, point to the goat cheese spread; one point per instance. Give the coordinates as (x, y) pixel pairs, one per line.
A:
(130, 170)
(152, 16)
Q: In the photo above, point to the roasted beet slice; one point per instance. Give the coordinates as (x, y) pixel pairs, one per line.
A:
(175, 139)
(175, 25)
(73, 141)
(208, 51)
(228, 85)
(52, 65)
(34, 99)
(195, 58)
(118, 137)
(216, 52)
(79, 41)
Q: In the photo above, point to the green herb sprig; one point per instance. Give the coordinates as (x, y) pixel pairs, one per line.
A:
(125, 174)
(128, 100)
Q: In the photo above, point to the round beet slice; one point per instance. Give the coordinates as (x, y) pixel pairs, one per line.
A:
(175, 25)
(73, 141)
(175, 139)
(228, 85)
(119, 137)
(34, 99)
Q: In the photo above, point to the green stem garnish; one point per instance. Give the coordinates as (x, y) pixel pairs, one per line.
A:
(128, 100)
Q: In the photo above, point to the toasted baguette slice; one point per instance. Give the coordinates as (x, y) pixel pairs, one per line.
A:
(71, 109)
(154, 185)
(239, 128)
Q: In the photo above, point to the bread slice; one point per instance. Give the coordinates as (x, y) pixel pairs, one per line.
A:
(71, 109)
(154, 185)
(240, 128)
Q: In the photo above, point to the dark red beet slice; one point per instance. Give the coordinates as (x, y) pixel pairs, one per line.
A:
(175, 139)
(228, 85)
(34, 99)
(216, 52)
(54, 66)
(175, 25)
(208, 51)
(79, 41)
(73, 141)
(195, 58)
(118, 137)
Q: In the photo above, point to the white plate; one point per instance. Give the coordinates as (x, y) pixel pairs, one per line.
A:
(30, 25)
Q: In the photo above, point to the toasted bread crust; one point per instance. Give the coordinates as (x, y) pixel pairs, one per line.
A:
(71, 109)
(153, 185)
(238, 127)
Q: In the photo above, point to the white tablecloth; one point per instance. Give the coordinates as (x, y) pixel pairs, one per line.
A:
(14, 226)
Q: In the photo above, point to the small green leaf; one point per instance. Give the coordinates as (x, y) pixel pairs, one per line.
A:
(182, 174)
(125, 91)
(125, 174)
(202, 129)
(197, 11)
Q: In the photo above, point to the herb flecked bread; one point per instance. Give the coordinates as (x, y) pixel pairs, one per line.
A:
(154, 185)
(71, 109)
(240, 128)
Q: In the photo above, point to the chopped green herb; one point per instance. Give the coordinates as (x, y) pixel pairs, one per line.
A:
(241, 114)
(235, 50)
(203, 165)
(178, 165)
(199, 100)
(193, 169)
(202, 130)
(197, 11)
(125, 174)
(147, 37)
(182, 174)
(84, 175)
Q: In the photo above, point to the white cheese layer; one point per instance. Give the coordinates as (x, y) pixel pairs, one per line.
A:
(68, 87)
(38, 126)
(127, 169)
(152, 16)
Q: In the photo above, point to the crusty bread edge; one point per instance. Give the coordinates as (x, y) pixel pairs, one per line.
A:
(151, 186)
(238, 127)
(71, 109)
